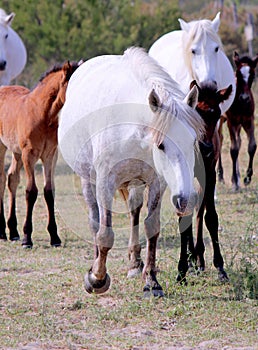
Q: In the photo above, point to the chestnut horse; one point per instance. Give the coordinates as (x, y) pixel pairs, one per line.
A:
(28, 128)
(241, 114)
(208, 107)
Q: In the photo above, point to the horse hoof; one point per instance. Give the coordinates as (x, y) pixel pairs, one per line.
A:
(181, 279)
(3, 236)
(247, 180)
(55, 242)
(27, 244)
(15, 239)
(132, 273)
(92, 285)
(222, 275)
(56, 245)
(157, 292)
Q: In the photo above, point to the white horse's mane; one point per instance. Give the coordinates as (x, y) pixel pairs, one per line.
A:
(198, 30)
(153, 76)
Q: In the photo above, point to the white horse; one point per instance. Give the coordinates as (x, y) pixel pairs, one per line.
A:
(195, 53)
(13, 55)
(125, 125)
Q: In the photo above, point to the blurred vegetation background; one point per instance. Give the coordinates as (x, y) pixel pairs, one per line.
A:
(55, 31)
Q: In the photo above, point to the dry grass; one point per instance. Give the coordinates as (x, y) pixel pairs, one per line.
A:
(43, 304)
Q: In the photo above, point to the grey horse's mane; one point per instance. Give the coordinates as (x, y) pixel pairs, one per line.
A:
(153, 76)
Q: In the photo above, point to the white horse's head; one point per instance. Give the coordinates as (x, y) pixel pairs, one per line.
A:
(5, 22)
(175, 130)
(201, 48)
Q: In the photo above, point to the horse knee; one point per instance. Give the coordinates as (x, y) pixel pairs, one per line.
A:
(105, 238)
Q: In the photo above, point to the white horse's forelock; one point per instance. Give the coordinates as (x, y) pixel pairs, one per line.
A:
(151, 74)
(199, 30)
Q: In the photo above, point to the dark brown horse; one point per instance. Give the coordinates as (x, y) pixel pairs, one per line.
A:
(28, 128)
(241, 114)
(208, 107)
(206, 159)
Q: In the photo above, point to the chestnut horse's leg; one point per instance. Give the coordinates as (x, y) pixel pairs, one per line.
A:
(97, 279)
(152, 229)
(248, 126)
(2, 188)
(29, 159)
(234, 131)
(49, 164)
(13, 182)
(135, 202)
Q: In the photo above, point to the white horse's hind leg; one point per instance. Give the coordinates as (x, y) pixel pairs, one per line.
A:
(135, 202)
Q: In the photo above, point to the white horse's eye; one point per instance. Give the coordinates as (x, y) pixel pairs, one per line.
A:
(193, 51)
(6, 36)
(217, 49)
(161, 146)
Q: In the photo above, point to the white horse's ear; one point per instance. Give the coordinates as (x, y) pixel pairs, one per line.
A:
(216, 22)
(9, 18)
(184, 25)
(154, 101)
(192, 97)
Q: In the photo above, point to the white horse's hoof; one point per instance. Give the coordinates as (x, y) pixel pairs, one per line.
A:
(93, 285)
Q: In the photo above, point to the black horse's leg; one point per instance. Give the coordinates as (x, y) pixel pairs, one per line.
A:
(199, 246)
(186, 234)
(249, 129)
(234, 151)
(212, 223)
(220, 132)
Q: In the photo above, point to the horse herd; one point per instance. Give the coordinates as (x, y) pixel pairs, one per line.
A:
(129, 122)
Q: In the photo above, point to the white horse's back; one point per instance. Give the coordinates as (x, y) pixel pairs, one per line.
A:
(13, 54)
(173, 49)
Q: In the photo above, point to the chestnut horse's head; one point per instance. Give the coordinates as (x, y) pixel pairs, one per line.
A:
(68, 69)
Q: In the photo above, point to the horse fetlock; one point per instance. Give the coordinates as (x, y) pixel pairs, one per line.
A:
(135, 269)
(55, 241)
(181, 278)
(152, 286)
(222, 275)
(94, 285)
(3, 236)
(14, 235)
(27, 242)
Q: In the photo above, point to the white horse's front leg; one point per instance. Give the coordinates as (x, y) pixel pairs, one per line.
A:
(97, 279)
(152, 229)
